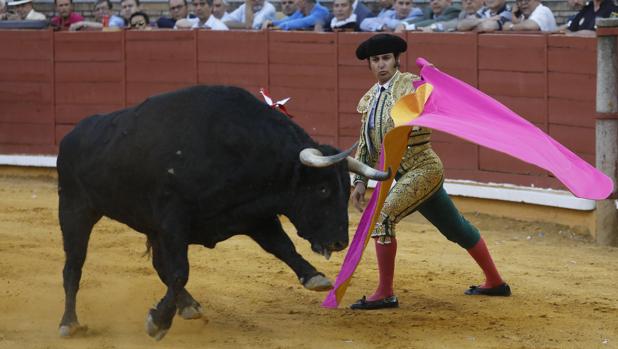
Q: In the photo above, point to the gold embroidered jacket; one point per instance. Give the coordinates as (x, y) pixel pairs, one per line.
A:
(371, 138)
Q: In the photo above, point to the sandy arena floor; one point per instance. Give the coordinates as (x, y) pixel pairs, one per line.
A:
(564, 288)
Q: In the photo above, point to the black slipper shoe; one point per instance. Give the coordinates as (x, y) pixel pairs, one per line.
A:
(364, 304)
(499, 291)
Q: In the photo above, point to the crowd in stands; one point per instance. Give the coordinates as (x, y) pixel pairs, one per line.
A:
(346, 15)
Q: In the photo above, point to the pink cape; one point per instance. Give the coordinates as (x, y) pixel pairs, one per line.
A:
(444, 103)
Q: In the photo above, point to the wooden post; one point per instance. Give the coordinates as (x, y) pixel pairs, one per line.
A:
(607, 127)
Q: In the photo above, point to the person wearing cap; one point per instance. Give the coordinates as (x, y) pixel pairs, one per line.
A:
(419, 179)
(24, 10)
(65, 16)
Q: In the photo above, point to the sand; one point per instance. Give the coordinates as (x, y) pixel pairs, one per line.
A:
(564, 288)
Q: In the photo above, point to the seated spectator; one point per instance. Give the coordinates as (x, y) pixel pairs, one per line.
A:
(361, 11)
(204, 19)
(139, 21)
(219, 10)
(490, 18)
(343, 20)
(584, 22)
(385, 6)
(65, 16)
(309, 14)
(574, 5)
(128, 8)
(389, 20)
(178, 10)
(438, 11)
(471, 14)
(3, 10)
(251, 15)
(288, 7)
(102, 10)
(24, 10)
(531, 15)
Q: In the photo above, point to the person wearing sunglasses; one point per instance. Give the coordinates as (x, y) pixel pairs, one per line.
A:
(139, 21)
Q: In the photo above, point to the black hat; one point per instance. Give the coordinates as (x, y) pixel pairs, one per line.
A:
(380, 44)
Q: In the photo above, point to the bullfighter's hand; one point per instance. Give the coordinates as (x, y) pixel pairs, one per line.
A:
(358, 196)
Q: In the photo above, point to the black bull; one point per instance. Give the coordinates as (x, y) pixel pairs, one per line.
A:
(197, 166)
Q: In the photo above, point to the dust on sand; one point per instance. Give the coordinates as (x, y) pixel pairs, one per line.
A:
(564, 288)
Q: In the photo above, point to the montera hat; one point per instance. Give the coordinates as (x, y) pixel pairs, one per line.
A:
(380, 44)
(19, 2)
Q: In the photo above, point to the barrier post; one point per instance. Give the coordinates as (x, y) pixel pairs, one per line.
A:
(607, 127)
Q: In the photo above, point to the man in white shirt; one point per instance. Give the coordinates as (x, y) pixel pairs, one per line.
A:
(251, 15)
(204, 18)
(531, 15)
(25, 11)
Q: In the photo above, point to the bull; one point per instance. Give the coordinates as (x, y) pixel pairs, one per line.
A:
(198, 166)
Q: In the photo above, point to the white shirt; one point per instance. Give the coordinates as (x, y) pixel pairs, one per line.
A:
(213, 23)
(267, 12)
(543, 16)
(35, 16)
(335, 23)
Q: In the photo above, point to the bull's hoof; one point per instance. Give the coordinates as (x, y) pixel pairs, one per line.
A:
(71, 329)
(191, 312)
(318, 283)
(153, 330)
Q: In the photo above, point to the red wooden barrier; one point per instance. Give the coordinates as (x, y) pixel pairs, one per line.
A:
(49, 81)
(26, 92)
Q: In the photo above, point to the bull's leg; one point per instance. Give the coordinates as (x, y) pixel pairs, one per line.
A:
(173, 265)
(76, 222)
(188, 308)
(272, 238)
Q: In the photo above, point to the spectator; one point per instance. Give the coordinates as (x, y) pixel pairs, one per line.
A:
(531, 15)
(288, 7)
(179, 9)
(24, 10)
(309, 14)
(385, 6)
(344, 19)
(3, 11)
(139, 21)
(361, 11)
(128, 8)
(584, 22)
(491, 18)
(389, 20)
(204, 19)
(438, 11)
(65, 16)
(251, 15)
(219, 9)
(574, 5)
(471, 14)
(102, 8)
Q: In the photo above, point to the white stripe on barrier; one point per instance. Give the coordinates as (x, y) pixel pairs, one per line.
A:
(494, 191)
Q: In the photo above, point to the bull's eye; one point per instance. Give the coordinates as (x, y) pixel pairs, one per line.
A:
(324, 192)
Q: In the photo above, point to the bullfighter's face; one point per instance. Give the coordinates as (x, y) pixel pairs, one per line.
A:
(383, 66)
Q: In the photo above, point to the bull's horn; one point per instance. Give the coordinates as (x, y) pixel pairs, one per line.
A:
(367, 171)
(314, 158)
